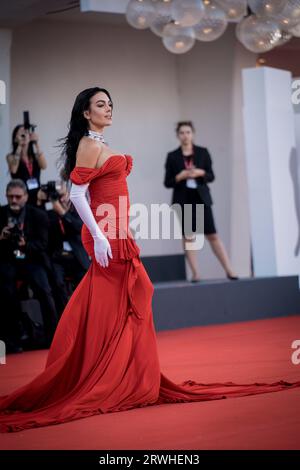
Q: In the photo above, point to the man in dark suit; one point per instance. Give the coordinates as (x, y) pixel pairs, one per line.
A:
(67, 254)
(188, 170)
(23, 256)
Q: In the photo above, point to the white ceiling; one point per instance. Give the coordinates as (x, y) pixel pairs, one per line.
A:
(17, 12)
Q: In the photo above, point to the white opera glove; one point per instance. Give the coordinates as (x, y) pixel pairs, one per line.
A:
(102, 246)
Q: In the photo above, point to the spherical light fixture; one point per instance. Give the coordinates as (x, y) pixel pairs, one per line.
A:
(213, 23)
(140, 13)
(178, 39)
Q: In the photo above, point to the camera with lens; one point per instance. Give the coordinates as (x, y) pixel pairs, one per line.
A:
(15, 236)
(51, 189)
(27, 124)
(16, 233)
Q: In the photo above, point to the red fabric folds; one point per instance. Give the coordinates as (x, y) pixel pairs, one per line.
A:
(103, 357)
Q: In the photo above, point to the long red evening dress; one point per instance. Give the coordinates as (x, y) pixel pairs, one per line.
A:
(103, 357)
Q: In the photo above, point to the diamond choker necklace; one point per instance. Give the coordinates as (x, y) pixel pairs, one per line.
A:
(96, 136)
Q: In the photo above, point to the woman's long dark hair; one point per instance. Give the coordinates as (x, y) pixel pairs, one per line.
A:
(78, 127)
(15, 144)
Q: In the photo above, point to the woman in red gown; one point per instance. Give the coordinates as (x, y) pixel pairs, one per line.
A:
(103, 357)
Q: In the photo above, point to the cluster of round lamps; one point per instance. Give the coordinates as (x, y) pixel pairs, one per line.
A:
(261, 25)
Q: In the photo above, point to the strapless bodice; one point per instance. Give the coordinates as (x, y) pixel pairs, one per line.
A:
(110, 204)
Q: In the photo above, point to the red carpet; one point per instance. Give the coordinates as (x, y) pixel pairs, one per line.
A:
(258, 351)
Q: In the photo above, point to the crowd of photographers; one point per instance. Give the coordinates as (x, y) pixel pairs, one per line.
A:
(40, 245)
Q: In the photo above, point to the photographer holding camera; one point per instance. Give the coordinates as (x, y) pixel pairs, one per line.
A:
(67, 255)
(26, 160)
(23, 256)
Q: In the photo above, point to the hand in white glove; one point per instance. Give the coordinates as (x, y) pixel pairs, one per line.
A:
(101, 244)
(101, 249)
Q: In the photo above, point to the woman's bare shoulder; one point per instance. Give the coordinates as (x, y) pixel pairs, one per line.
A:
(88, 152)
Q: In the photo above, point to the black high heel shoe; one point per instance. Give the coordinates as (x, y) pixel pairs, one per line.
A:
(232, 278)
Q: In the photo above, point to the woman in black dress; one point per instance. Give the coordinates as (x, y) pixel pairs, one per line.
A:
(188, 170)
(26, 160)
